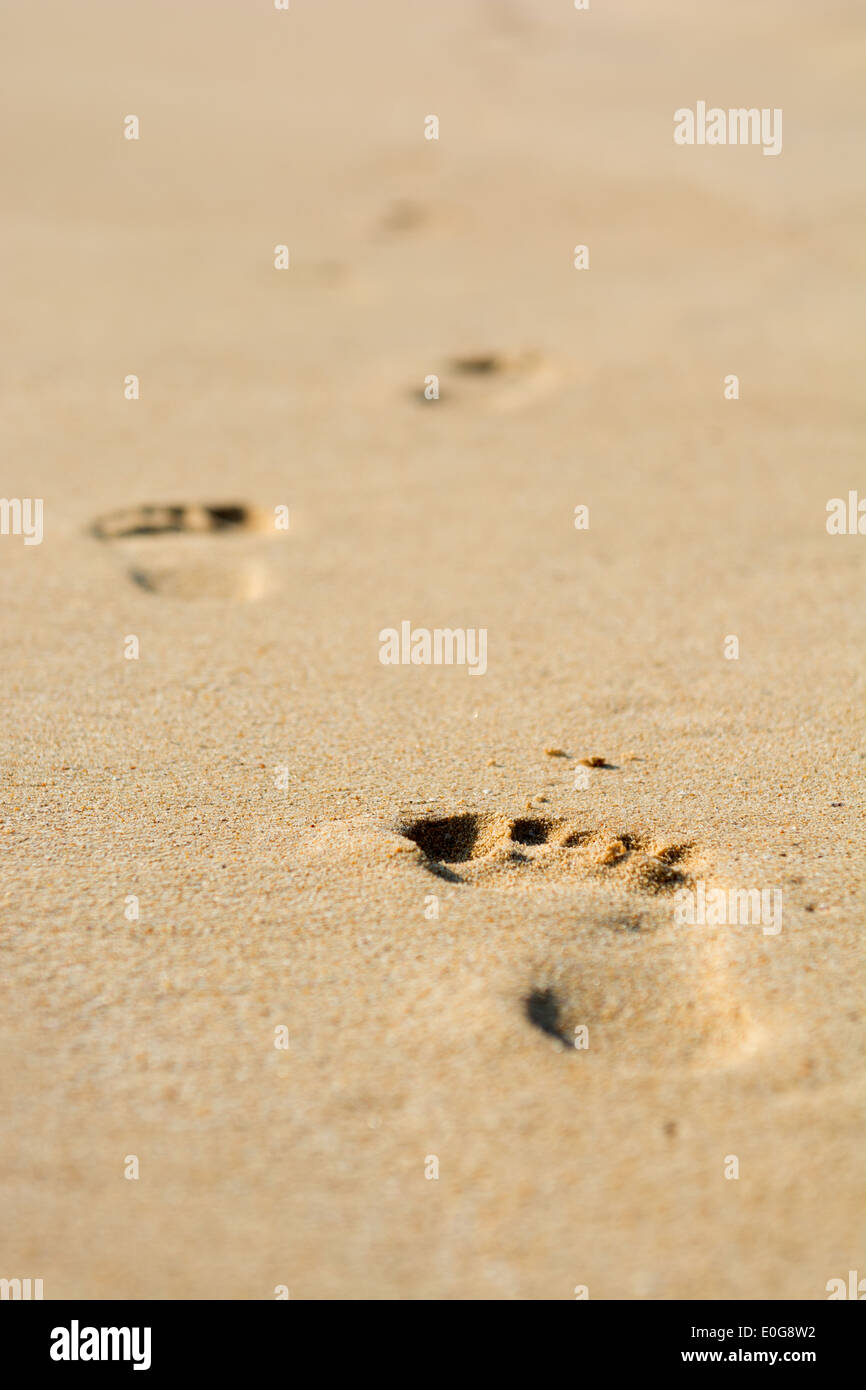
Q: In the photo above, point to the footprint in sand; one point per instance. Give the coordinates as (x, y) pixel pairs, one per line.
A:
(416, 217)
(188, 565)
(626, 973)
(493, 851)
(644, 999)
(650, 993)
(495, 382)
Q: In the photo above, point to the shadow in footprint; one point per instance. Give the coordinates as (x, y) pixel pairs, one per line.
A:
(532, 831)
(542, 1010)
(499, 852)
(453, 839)
(484, 365)
(160, 520)
(442, 871)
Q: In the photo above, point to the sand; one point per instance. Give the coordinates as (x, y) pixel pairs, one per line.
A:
(264, 786)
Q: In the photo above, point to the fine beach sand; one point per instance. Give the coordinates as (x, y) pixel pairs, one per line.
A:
(251, 777)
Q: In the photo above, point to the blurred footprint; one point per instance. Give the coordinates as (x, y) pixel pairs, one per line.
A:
(192, 564)
(498, 382)
(417, 217)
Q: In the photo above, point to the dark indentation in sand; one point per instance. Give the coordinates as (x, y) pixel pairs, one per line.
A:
(542, 1009)
(657, 877)
(672, 854)
(482, 365)
(144, 581)
(532, 830)
(456, 839)
(631, 923)
(571, 838)
(163, 519)
(405, 215)
(448, 839)
(234, 514)
(538, 842)
(443, 871)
